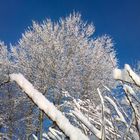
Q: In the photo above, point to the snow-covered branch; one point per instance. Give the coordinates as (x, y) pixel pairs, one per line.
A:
(128, 75)
(40, 100)
(121, 117)
(133, 75)
(85, 121)
(103, 116)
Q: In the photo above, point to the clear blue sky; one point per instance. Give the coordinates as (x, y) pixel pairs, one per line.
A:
(118, 18)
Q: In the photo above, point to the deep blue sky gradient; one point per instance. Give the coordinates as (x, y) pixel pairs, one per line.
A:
(118, 18)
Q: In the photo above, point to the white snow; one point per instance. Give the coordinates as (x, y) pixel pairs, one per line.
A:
(117, 74)
(35, 137)
(126, 75)
(40, 100)
(134, 135)
(46, 136)
(85, 121)
(103, 118)
(139, 123)
(122, 75)
(55, 134)
(121, 117)
(130, 90)
(133, 75)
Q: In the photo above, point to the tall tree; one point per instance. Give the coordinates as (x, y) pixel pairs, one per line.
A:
(64, 56)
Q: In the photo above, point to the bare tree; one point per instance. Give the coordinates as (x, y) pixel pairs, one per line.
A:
(57, 56)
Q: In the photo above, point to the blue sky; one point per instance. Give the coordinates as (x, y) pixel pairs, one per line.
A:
(118, 18)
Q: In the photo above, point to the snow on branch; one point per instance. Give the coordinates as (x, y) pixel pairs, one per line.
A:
(133, 75)
(85, 121)
(72, 132)
(103, 116)
(121, 75)
(130, 90)
(126, 75)
(121, 117)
